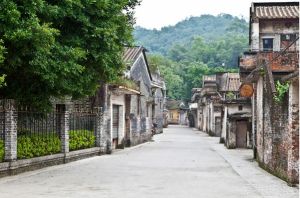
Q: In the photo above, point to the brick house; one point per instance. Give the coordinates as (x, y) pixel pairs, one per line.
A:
(177, 112)
(128, 109)
(271, 62)
(209, 107)
(159, 101)
(194, 113)
(236, 112)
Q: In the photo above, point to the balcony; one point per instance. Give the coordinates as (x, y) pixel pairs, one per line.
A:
(287, 62)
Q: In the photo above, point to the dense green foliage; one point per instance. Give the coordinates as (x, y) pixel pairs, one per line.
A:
(81, 139)
(181, 77)
(282, 89)
(210, 28)
(194, 47)
(36, 145)
(30, 146)
(54, 48)
(1, 150)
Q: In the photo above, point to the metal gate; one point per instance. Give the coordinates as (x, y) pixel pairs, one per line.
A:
(115, 121)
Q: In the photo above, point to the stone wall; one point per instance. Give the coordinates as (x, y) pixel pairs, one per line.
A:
(158, 110)
(277, 132)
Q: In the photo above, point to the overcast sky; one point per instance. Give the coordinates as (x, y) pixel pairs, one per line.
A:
(159, 13)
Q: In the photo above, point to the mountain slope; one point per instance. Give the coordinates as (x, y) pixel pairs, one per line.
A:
(210, 28)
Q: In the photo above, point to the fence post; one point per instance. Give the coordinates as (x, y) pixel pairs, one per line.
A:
(10, 131)
(106, 134)
(63, 121)
(98, 128)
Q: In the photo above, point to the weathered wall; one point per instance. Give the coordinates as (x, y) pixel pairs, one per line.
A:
(183, 117)
(230, 141)
(224, 124)
(158, 110)
(139, 71)
(277, 132)
(293, 133)
(259, 118)
(173, 116)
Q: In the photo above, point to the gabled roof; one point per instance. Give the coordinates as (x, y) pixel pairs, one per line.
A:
(275, 10)
(173, 104)
(131, 54)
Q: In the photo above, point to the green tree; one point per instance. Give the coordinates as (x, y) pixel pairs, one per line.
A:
(54, 48)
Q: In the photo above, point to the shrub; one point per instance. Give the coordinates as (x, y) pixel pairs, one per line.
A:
(37, 145)
(81, 139)
(1, 150)
(282, 89)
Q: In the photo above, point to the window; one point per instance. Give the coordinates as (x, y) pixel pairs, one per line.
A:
(240, 108)
(288, 37)
(267, 44)
(286, 40)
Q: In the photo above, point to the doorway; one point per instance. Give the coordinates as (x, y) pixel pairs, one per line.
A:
(241, 134)
(115, 126)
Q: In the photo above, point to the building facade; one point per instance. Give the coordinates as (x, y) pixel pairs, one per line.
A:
(209, 107)
(272, 67)
(236, 112)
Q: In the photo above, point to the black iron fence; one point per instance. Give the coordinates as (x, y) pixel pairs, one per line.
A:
(82, 130)
(42, 133)
(38, 133)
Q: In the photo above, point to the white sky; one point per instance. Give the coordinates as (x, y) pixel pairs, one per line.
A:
(159, 13)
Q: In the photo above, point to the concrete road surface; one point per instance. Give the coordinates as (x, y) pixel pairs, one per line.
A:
(180, 163)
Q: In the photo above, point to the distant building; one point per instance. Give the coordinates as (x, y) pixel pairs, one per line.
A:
(159, 101)
(177, 112)
(194, 113)
(236, 112)
(209, 107)
(273, 60)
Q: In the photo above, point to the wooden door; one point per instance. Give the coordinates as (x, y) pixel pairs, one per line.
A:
(115, 122)
(241, 134)
(127, 119)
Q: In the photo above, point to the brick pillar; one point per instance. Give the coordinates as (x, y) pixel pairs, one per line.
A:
(63, 124)
(105, 131)
(10, 131)
(98, 128)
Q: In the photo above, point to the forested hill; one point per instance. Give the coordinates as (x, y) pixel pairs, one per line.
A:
(194, 47)
(209, 27)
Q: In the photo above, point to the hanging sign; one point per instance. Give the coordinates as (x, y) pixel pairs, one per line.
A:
(246, 90)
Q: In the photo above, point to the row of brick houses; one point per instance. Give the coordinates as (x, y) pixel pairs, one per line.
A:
(121, 114)
(219, 110)
(258, 108)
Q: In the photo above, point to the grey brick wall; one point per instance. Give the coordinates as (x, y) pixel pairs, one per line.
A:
(10, 130)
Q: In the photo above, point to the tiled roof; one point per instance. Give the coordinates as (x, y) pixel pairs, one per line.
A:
(275, 10)
(233, 84)
(131, 54)
(173, 104)
(230, 82)
(209, 78)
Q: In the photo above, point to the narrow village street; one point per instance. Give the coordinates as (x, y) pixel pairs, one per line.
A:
(181, 162)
